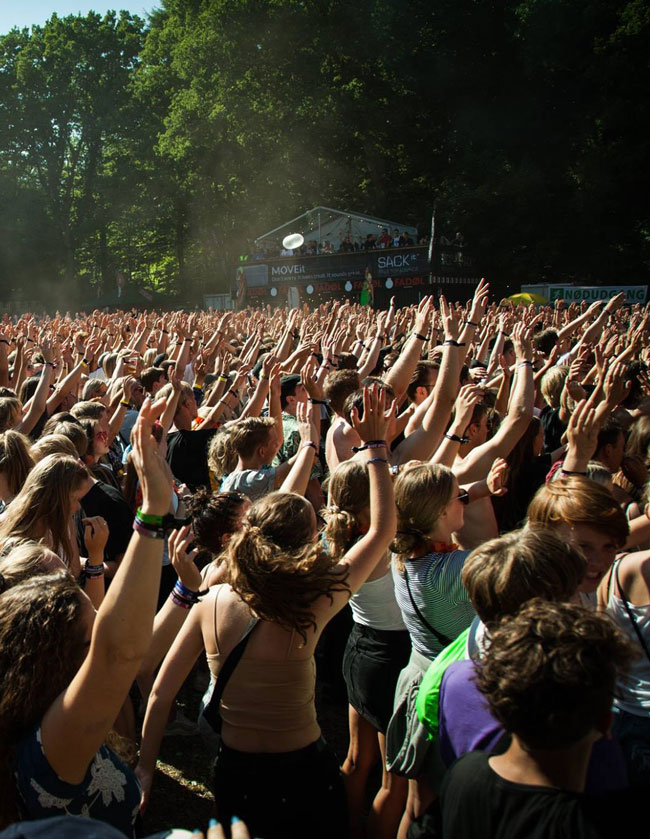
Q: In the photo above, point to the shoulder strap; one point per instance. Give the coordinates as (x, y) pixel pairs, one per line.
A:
(212, 713)
(630, 614)
(441, 639)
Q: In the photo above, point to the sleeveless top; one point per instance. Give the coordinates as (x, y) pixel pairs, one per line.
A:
(110, 791)
(439, 594)
(633, 689)
(375, 605)
(269, 698)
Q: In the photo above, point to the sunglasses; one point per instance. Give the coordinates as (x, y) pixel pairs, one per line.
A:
(463, 497)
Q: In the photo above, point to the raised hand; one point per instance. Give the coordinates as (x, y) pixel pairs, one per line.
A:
(95, 537)
(183, 553)
(152, 470)
(497, 476)
(449, 320)
(375, 419)
(479, 301)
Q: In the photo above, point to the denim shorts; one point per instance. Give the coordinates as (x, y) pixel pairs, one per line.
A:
(633, 735)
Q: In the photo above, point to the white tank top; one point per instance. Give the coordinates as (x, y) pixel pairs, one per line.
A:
(374, 605)
(633, 686)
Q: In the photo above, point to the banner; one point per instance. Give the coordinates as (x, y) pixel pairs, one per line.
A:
(633, 293)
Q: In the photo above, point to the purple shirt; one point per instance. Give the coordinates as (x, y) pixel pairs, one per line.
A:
(467, 725)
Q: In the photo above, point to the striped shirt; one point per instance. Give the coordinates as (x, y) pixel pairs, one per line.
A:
(440, 596)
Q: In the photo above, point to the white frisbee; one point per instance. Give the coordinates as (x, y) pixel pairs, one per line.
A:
(292, 241)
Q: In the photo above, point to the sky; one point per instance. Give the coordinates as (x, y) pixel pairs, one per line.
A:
(27, 12)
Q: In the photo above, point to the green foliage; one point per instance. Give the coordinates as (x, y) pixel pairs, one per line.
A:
(161, 151)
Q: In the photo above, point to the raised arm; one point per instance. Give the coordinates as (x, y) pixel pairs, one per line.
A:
(400, 374)
(364, 555)
(476, 465)
(423, 442)
(76, 724)
(308, 420)
(39, 400)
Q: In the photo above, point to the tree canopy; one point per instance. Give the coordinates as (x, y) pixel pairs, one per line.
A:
(157, 150)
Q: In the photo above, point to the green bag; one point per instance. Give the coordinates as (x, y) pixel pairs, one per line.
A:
(426, 704)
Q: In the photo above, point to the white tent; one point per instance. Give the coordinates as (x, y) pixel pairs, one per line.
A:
(323, 224)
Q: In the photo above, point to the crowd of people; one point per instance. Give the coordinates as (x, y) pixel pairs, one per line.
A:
(462, 489)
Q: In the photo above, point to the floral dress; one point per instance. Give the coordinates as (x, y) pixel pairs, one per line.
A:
(110, 791)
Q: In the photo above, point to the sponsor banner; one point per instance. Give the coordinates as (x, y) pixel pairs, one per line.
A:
(633, 293)
(340, 267)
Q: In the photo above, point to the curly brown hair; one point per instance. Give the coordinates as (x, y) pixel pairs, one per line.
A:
(276, 567)
(550, 672)
(41, 649)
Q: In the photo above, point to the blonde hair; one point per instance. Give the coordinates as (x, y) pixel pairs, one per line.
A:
(275, 566)
(552, 384)
(21, 560)
(577, 500)
(222, 458)
(43, 504)
(349, 494)
(15, 459)
(504, 573)
(53, 444)
(249, 434)
(421, 495)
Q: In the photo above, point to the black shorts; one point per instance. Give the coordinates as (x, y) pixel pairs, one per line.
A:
(290, 795)
(372, 662)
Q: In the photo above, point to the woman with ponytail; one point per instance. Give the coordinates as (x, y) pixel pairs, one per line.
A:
(436, 608)
(273, 768)
(378, 648)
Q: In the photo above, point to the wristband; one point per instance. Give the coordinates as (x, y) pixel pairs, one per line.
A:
(566, 472)
(456, 439)
(84, 362)
(187, 339)
(149, 518)
(94, 570)
(525, 364)
(143, 530)
(234, 393)
(449, 342)
(196, 386)
(317, 401)
(4, 341)
(420, 337)
(377, 460)
(165, 331)
(471, 323)
(222, 378)
(125, 403)
(180, 601)
(309, 444)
